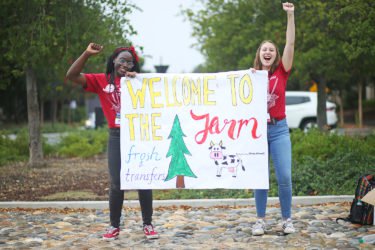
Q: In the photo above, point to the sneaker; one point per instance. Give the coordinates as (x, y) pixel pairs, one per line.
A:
(259, 227)
(150, 232)
(111, 233)
(288, 227)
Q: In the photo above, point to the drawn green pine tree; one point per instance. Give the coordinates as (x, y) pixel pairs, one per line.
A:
(177, 149)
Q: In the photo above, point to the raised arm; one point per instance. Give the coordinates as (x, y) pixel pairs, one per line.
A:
(290, 37)
(74, 73)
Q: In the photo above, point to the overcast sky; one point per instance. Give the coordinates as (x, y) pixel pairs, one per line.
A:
(165, 35)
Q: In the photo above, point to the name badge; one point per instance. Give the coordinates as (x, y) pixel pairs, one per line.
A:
(117, 119)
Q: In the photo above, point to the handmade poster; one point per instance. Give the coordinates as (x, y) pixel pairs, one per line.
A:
(370, 197)
(194, 131)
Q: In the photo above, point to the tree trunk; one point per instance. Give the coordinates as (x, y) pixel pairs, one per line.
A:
(41, 113)
(35, 143)
(54, 111)
(180, 181)
(360, 111)
(341, 112)
(69, 116)
(62, 116)
(322, 108)
(338, 100)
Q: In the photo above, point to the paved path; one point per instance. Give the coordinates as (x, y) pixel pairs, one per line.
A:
(297, 200)
(180, 227)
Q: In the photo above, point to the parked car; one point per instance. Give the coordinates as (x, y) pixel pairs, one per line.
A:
(301, 110)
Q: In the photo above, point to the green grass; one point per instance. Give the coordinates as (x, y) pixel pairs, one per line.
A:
(84, 195)
(71, 196)
(157, 195)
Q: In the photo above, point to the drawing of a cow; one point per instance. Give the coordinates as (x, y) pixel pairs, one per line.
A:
(230, 162)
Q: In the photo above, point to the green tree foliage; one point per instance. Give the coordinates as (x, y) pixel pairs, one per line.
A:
(354, 22)
(229, 32)
(334, 39)
(41, 37)
(319, 54)
(56, 31)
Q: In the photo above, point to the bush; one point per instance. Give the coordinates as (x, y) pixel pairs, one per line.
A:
(326, 164)
(14, 150)
(85, 143)
(322, 164)
(75, 144)
(18, 149)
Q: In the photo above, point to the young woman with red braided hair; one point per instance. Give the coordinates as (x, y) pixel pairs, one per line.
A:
(122, 62)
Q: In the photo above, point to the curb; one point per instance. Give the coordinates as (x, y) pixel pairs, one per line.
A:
(297, 200)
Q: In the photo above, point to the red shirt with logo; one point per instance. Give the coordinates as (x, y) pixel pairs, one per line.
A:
(276, 92)
(109, 96)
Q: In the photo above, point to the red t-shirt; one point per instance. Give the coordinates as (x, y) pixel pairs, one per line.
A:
(276, 92)
(109, 96)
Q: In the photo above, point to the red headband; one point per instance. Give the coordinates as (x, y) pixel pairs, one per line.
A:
(130, 49)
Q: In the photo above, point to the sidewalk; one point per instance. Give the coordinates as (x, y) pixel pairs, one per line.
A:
(183, 224)
(297, 200)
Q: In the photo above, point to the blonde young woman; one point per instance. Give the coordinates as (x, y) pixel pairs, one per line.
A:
(279, 144)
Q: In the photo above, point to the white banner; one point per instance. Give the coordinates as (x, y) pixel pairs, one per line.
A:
(194, 131)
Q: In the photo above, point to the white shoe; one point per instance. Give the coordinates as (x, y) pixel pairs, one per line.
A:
(288, 227)
(258, 228)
